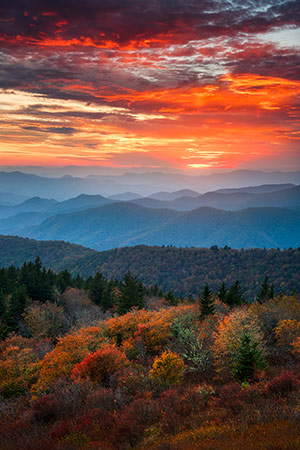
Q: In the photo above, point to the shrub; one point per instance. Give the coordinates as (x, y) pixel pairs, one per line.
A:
(228, 396)
(44, 410)
(167, 369)
(282, 385)
(99, 366)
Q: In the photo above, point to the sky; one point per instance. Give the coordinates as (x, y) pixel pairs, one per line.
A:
(182, 84)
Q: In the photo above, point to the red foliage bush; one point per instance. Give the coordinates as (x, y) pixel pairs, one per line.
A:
(99, 366)
(228, 396)
(45, 410)
(283, 385)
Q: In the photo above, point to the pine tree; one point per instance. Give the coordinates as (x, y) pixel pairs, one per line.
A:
(2, 304)
(132, 294)
(222, 292)
(16, 305)
(63, 280)
(234, 296)
(206, 302)
(97, 288)
(170, 298)
(248, 359)
(265, 291)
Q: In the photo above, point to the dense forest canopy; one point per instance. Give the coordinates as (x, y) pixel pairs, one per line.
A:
(182, 270)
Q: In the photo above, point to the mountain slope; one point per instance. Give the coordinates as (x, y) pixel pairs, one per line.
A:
(57, 255)
(127, 224)
(184, 270)
(232, 201)
(144, 184)
(174, 195)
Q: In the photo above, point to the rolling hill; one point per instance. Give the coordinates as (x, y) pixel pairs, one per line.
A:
(58, 255)
(233, 200)
(127, 224)
(184, 270)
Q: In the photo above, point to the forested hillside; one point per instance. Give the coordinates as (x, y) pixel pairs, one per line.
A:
(55, 254)
(108, 365)
(183, 270)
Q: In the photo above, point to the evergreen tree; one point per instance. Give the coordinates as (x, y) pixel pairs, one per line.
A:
(206, 302)
(63, 280)
(170, 298)
(16, 305)
(97, 288)
(2, 304)
(234, 296)
(132, 294)
(248, 359)
(264, 293)
(222, 292)
(271, 292)
(79, 282)
(108, 298)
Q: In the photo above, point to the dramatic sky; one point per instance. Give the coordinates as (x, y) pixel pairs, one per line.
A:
(187, 84)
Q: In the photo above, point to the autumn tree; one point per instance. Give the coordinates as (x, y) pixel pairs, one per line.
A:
(230, 333)
(99, 366)
(45, 320)
(167, 369)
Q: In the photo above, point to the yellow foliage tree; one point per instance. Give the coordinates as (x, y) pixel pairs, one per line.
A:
(167, 369)
(229, 334)
(287, 332)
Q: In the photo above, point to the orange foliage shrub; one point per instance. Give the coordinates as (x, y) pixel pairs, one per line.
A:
(167, 369)
(18, 366)
(287, 331)
(69, 351)
(120, 329)
(270, 313)
(99, 366)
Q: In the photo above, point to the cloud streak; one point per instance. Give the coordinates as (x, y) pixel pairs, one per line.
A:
(184, 83)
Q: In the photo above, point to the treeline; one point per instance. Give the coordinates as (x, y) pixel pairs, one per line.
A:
(185, 271)
(21, 287)
(32, 290)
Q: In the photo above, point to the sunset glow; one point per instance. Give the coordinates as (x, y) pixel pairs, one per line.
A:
(189, 86)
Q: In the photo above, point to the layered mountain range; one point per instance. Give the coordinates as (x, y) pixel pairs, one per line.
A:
(266, 215)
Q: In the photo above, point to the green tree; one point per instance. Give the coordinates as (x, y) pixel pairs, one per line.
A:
(63, 280)
(206, 302)
(248, 359)
(266, 292)
(234, 296)
(98, 290)
(170, 298)
(16, 305)
(132, 294)
(222, 292)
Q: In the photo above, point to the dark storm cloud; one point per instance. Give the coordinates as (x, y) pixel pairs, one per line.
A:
(56, 130)
(122, 21)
